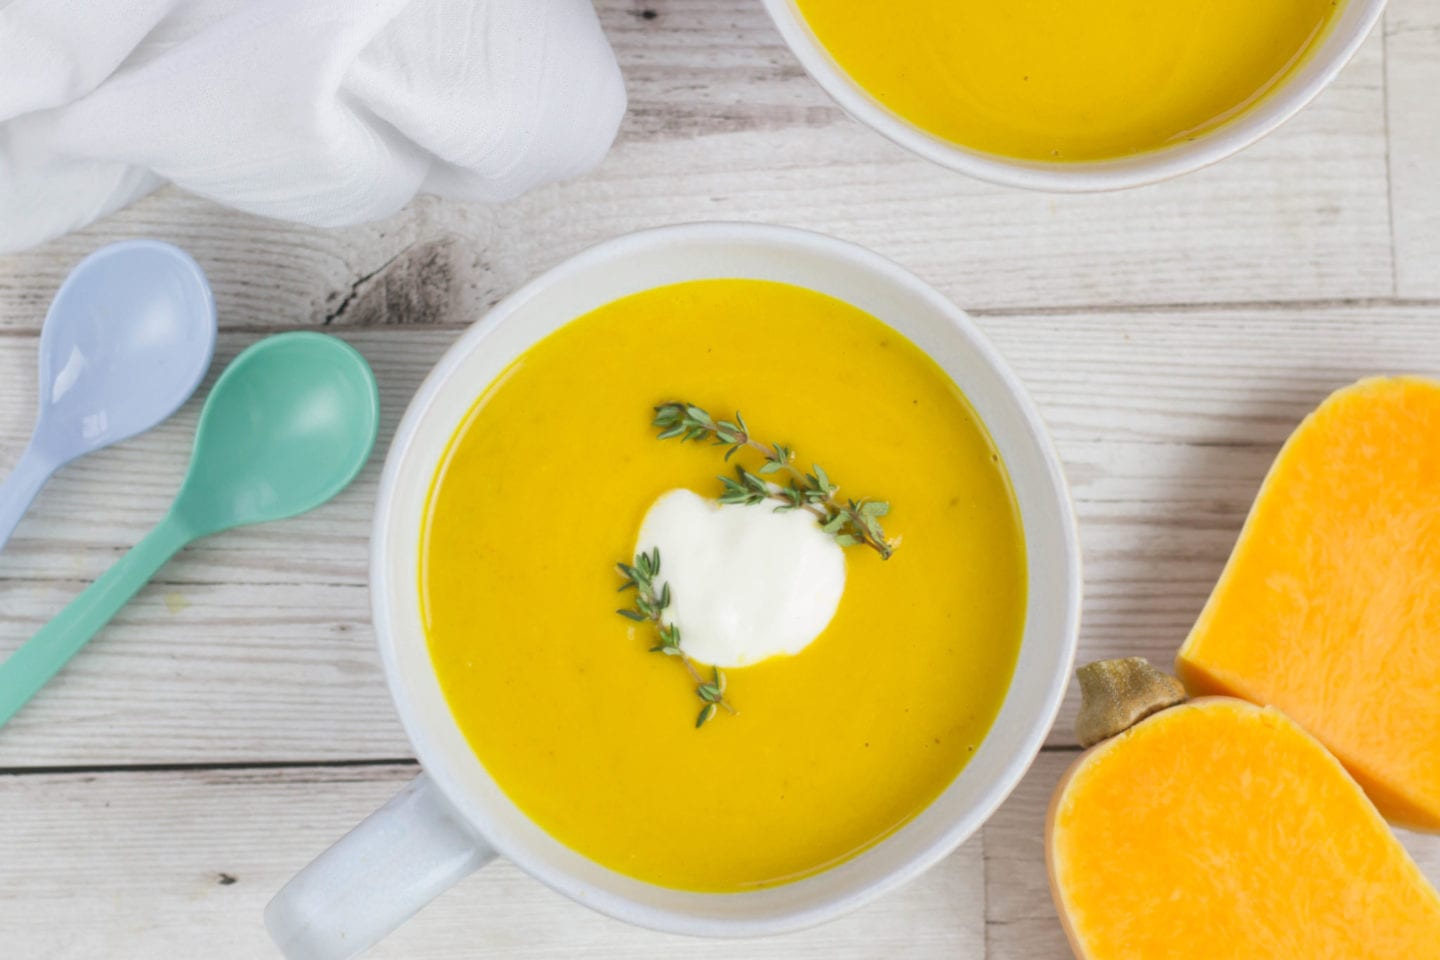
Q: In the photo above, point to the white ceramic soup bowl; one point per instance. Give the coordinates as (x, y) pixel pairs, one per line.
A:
(454, 817)
(1323, 64)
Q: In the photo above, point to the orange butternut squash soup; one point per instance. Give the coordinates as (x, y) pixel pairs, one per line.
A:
(1068, 79)
(591, 732)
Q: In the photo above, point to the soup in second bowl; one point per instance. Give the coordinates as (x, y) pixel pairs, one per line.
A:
(1068, 79)
(860, 684)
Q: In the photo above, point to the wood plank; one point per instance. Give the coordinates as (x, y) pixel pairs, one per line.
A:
(724, 125)
(1167, 422)
(219, 673)
(1221, 235)
(1412, 74)
(1164, 418)
(131, 865)
(1020, 921)
(157, 848)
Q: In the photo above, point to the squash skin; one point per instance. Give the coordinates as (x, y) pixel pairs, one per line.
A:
(1344, 888)
(1329, 606)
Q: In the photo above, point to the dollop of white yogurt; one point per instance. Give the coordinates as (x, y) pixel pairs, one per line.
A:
(746, 583)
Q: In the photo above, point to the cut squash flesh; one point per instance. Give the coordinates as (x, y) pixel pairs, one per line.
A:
(1218, 829)
(1330, 605)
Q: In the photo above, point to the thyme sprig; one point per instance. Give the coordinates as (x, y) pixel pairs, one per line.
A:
(850, 522)
(650, 606)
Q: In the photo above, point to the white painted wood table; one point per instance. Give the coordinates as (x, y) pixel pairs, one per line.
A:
(233, 720)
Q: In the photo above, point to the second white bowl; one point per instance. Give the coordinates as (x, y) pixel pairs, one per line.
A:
(1336, 49)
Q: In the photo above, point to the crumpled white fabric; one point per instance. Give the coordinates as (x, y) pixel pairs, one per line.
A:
(325, 112)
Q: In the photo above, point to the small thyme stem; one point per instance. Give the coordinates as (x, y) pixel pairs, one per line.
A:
(850, 522)
(650, 606)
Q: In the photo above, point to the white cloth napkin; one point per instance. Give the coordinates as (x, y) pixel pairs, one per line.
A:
(327, 112)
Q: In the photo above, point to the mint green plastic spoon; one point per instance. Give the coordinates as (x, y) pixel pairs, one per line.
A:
(286, 427)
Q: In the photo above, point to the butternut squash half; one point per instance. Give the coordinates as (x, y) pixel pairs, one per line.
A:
(1219, 829)
(1329, 607)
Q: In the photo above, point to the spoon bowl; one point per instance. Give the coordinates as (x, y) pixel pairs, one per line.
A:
(128, 338)
(288, 425)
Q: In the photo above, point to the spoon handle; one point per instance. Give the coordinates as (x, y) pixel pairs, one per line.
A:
(20, 488)
(41, 657)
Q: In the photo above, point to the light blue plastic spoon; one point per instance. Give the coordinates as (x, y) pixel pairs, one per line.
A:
(287, 426)
(128, 338)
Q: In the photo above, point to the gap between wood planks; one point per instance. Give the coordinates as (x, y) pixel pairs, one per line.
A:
(1216, 306)
(1095, 309)
(1383, 28)
(236, 765)
(244, 765)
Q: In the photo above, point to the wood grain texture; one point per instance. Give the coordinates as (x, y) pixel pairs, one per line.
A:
(1412, 76)
(139, 866)
(724, 125)
(207, 673)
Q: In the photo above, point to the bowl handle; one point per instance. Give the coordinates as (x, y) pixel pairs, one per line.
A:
(376, 877)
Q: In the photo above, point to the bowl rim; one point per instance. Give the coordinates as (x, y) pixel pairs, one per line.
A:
(425, 741)
(1258, 120)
